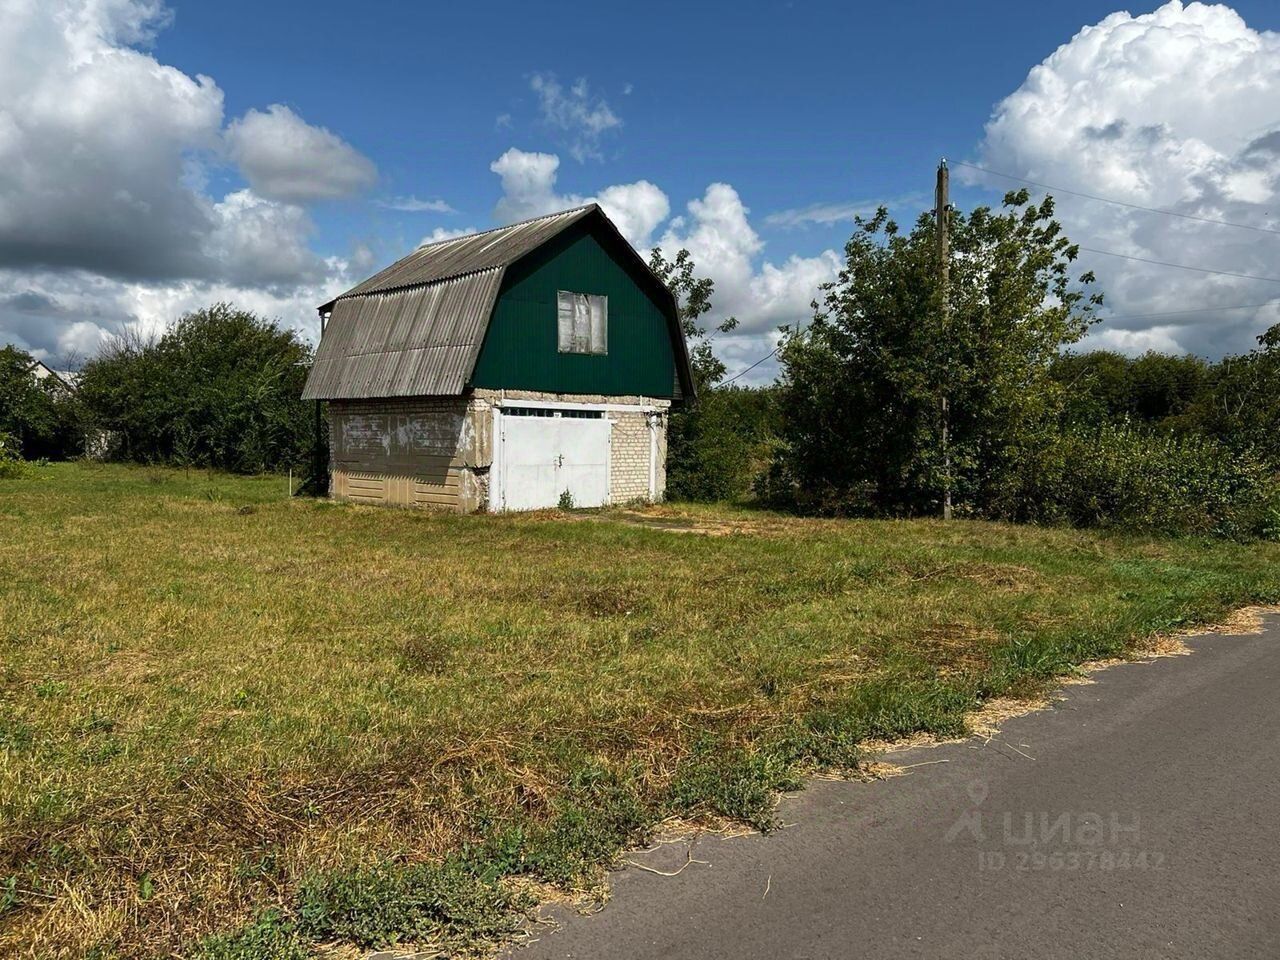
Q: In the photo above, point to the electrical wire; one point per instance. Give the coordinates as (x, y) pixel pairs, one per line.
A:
(1119, 203)
(1126, 316)
(743, 373)
(1182, 266)
(1109, 253)
(1179, 313)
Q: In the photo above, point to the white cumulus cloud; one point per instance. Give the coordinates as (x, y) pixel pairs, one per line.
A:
(285, 158)
(763, 295)
(106, 219)
(636, 208)
(1175, 109)
(63, 317)
(528, 185)
(529, 190)
(261, 243)
(93, 136)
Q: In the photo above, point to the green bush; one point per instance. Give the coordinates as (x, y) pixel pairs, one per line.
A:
(1122, 477)
(732, 782)
(222, 388)
(599, 815)
(40, 417)
(11, 463)
(717, 446)
(270, 937)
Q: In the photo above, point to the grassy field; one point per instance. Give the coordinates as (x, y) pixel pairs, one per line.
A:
(285, 722)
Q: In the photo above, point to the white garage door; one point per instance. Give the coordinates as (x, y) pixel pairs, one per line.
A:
(546, 452)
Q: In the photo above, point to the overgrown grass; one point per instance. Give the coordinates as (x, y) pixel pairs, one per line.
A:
(232, 724)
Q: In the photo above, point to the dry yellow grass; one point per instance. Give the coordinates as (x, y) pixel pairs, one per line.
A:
(202, 703)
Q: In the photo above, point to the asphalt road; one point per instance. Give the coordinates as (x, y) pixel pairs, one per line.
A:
(1138, 817)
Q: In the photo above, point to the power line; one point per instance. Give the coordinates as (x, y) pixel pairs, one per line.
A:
(1138, 206)
(1183, 266)
(725, 383)
(1126, 316)
(1179, 313)
(1109, 253)
(1119, 203)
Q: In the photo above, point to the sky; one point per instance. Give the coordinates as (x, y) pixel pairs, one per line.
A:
(160, 155)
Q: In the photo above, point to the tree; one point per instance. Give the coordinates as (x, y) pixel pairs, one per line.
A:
(39, 415)
(221, 388)
(862, 388)
(714, 441)
(1240, 404)
(693, 301)
(1155, 389)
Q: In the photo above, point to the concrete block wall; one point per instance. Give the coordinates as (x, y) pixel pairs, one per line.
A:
(629, 456)
(437, 451)
(407, 451)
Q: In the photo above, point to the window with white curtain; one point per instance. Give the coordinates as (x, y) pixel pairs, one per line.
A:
(583, 322)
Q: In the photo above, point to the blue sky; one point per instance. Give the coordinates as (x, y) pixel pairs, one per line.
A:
(803, 112)
(792, 103)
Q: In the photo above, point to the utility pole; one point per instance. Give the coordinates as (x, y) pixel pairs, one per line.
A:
(942, 211)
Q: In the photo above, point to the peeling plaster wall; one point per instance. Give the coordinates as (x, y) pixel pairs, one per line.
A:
(420, 451)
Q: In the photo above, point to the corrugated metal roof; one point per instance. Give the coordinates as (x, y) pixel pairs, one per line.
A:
(416, 328)
(476, 251)
(415, 341)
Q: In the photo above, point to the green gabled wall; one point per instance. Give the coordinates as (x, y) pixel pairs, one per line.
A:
(519, 350)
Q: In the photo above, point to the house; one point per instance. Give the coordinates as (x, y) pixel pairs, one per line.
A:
(514, 369)
(65, 379)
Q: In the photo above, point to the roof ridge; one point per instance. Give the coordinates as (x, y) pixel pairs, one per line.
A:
(508, 226)
(469, 252)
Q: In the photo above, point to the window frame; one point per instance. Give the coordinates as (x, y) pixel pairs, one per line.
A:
(567, 343)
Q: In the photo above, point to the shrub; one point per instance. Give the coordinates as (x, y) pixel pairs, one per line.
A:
(40, 417)
(1122, 477)
(718, 446)
(11, 464)
(599, 815)
(222, 388)
(377, 906)
(270, 937)
(732, 782)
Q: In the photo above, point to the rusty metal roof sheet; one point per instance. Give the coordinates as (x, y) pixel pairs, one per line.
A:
(416, 328)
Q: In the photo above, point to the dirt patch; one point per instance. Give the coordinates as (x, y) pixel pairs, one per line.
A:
(673, 520)
(706, 528)
(1001, 576)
